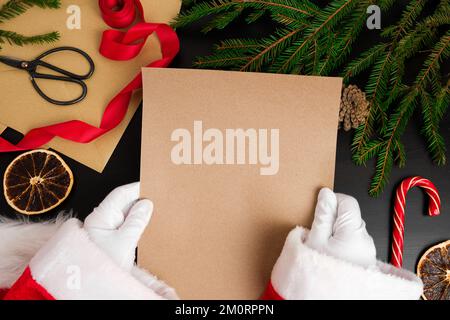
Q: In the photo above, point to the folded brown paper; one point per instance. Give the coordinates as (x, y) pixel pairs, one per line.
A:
(222, 211)
(22, 109)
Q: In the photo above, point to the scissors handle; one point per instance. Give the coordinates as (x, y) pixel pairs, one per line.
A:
(66, 76)
(65, 79)
(39, 62)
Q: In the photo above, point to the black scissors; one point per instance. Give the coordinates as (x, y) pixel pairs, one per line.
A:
(31, 66)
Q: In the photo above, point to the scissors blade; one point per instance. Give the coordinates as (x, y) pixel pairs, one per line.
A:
(12, 62)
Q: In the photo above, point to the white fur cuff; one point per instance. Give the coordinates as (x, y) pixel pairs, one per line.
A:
(303, 273)
(20, 240)
(71, 267)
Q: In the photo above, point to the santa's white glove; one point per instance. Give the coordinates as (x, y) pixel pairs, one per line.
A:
(118, 222)
(339, 231)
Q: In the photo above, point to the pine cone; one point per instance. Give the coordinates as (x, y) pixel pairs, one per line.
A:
(354, 108)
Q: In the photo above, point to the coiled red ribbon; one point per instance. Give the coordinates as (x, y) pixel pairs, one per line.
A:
(115, 45)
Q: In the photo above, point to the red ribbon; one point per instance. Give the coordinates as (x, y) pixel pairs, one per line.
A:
(115, 45)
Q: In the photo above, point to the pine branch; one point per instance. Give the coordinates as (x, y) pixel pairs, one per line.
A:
(377, 83)
(411, 14)
(381, 73)
(365, 61)
(323, 22)
(288, 21)
(431, 66)
(14, 8)
(369, 151)
(376, 86)
(318, 41)
(397, 123)
(271, 47)
(13, 38)
(385, 85)
(436, 143)
(290, 8)
(400, 154)
(425, 31)
(229, 53)
(344, 39)
(223, 20)
(383, 168)
(223, 60)
(238, 44)
(395, 128)
(396, 86)
(433, 109)
(385, 4)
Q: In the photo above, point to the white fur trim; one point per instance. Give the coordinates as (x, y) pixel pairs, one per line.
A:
(71, 267)
(19, 242)
(303, 273)
(152, 282)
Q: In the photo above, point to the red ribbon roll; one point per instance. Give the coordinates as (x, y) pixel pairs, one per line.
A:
(120, 13)
(399, 213)
(116, 45)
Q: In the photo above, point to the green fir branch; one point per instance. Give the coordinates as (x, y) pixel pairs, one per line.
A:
(400, 154)
(385, 86)
(328, 18)
(436, 143)
(365, 61)
(290, 8)
(395, 127)
(381, 74)
(370, 150)
(13, 38)
(14, 8)
(318, 40)
(342, 43)
(271, 48)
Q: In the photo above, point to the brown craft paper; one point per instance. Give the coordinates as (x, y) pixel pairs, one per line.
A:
(216, 229)
(22, 109)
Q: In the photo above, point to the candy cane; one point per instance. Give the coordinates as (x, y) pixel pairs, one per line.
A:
(399, 213)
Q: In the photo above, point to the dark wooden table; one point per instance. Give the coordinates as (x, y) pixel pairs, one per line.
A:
(421, 231)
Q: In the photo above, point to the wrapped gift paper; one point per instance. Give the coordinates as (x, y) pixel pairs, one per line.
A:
(22, 109)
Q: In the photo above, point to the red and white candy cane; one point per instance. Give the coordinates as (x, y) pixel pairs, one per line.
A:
(399, 213)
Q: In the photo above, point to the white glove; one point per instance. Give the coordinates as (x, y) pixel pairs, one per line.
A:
(339, 231)
(118, 222)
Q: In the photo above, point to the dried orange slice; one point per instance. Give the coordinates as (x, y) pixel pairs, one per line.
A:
(434, 270)
(37, 181)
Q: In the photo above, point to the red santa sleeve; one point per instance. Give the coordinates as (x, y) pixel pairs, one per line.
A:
(303, 273)
(70, 266)
(20, 242)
